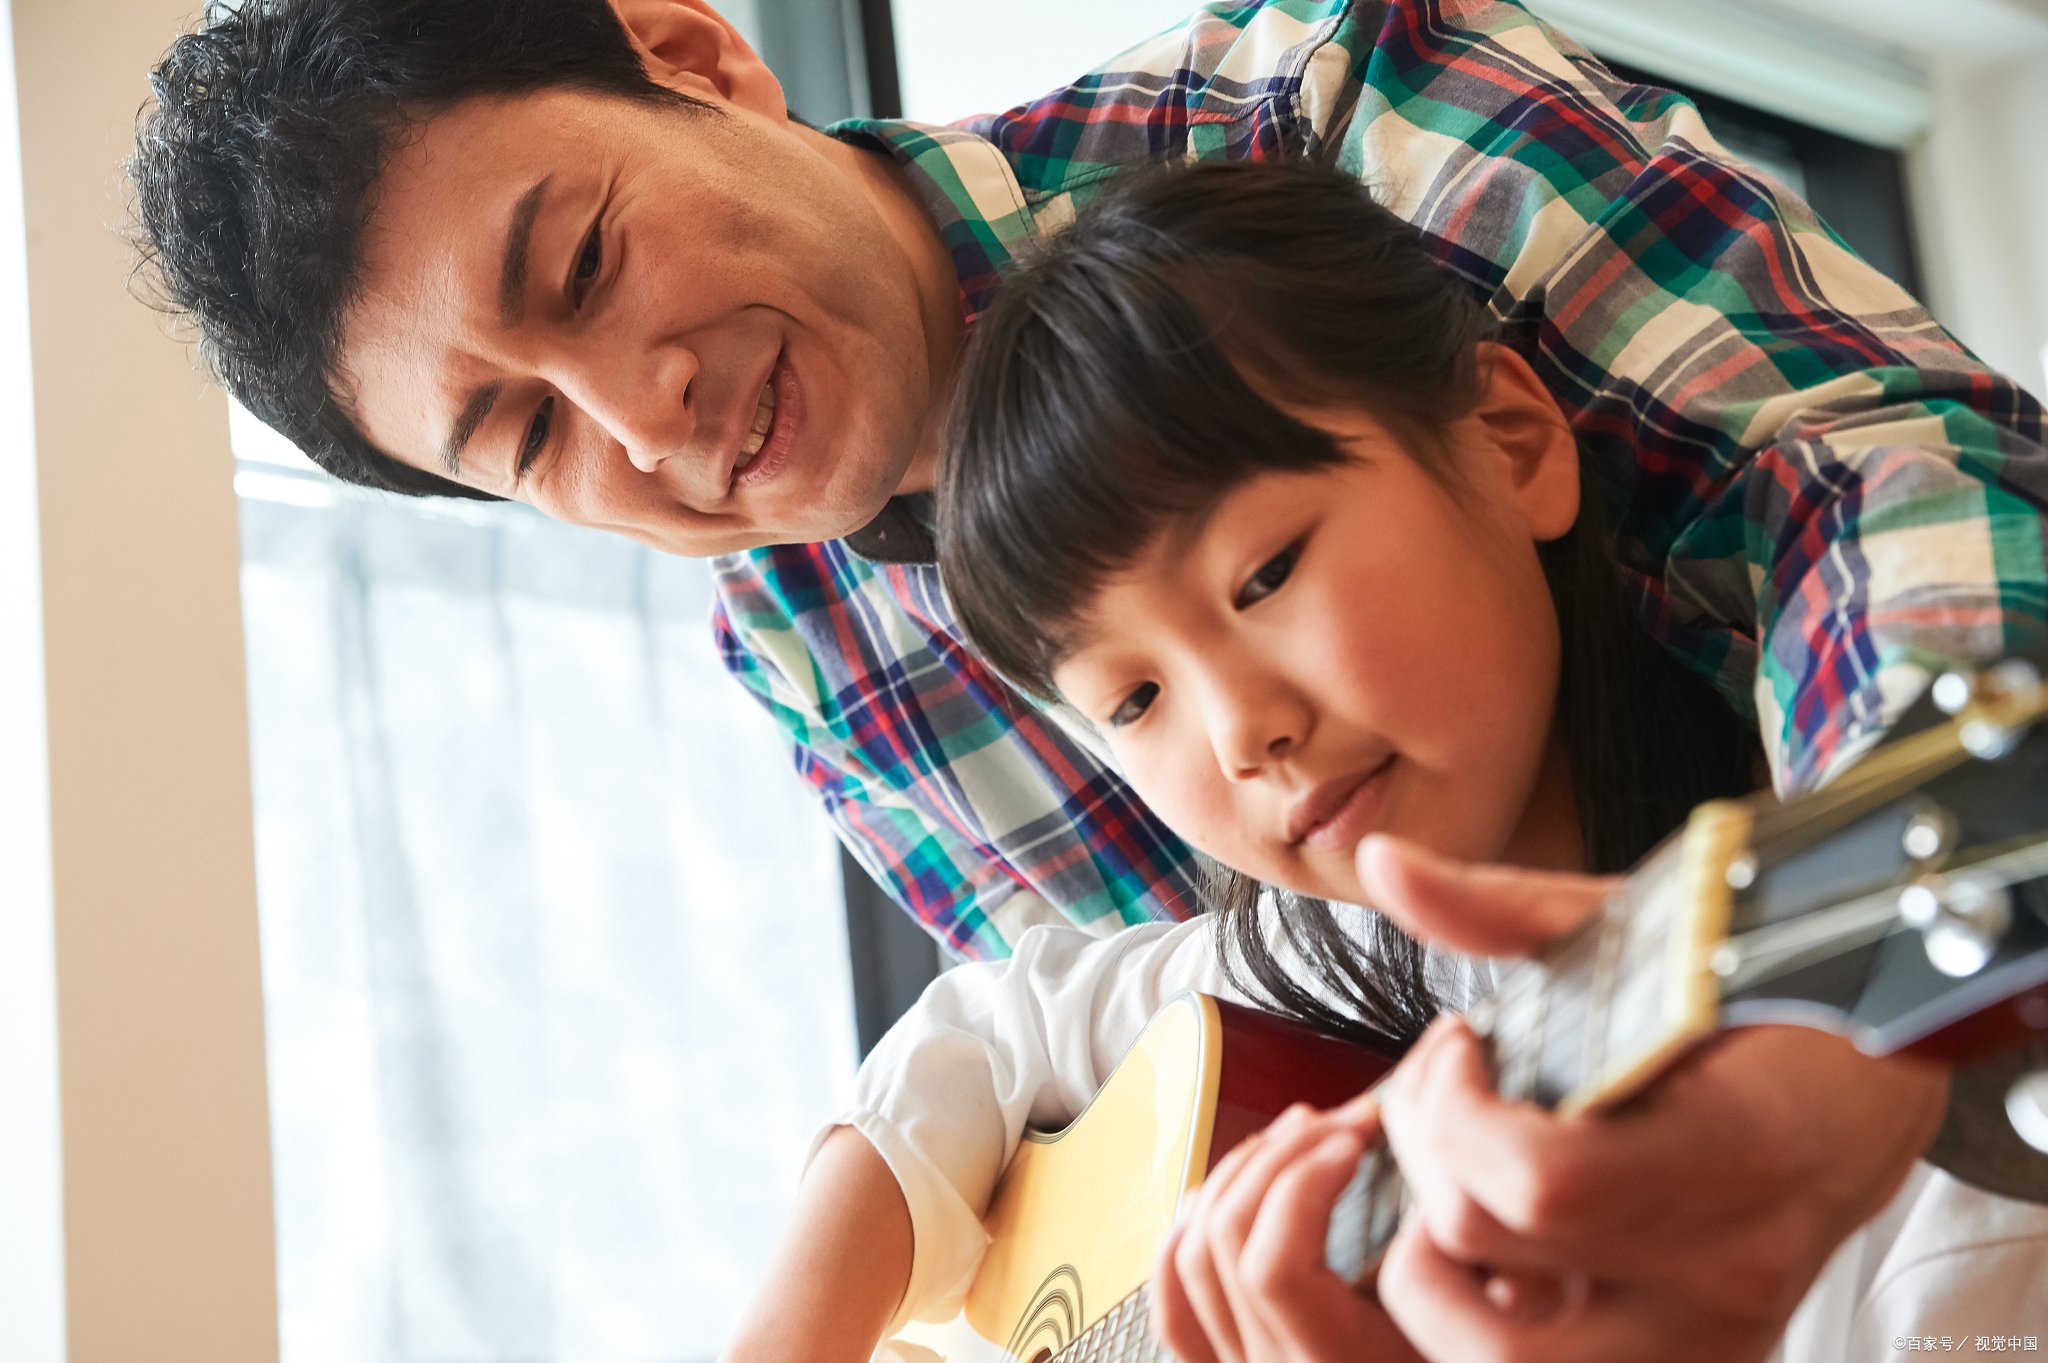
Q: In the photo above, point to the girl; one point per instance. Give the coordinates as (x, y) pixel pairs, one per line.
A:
(1237, 471)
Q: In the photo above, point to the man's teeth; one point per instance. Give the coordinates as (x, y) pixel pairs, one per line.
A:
(764, 420)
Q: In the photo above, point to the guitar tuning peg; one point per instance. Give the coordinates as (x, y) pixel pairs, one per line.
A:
(2026, 1107)
(1961, 922)
(2014, 675)
(1987, 741)
(1952, 691)
(1930, 832)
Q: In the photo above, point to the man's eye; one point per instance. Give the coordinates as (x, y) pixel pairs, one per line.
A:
(1268, 578)
(1134, 705)
(536, 435)
(590, 262)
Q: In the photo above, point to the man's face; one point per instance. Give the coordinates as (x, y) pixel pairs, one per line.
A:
(691, 327)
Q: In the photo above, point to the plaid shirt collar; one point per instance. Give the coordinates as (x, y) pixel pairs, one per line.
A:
(982, 214)
(968, 188)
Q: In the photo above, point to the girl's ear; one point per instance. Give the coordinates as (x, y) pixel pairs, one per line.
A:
(692, 49)
(1529, 431)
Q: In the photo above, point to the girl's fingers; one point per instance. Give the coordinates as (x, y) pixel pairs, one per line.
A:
(1495, 1181)
(1282, 1277)
(1207, 1248)
(1479, 910)
(1174, 1321)
(1292, 1305)
(1204, 1248)
(1286, 1245)
(1447, 1310)
(1187, 1259)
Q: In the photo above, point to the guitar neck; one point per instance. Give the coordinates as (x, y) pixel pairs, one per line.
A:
(1592, 1019)
(1606, 1007)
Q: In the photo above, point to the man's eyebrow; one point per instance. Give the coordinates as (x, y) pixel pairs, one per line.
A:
(512, 275)
(472, 416)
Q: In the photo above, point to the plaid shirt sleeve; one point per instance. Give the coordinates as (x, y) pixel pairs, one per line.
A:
(1821, 495)
(975, 811)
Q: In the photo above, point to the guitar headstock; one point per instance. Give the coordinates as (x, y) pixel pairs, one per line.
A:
(1903, 905)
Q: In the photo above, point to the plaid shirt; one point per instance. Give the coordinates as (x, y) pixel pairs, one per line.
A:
(1819, 495)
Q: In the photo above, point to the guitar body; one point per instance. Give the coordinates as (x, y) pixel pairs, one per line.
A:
(1079, 1213)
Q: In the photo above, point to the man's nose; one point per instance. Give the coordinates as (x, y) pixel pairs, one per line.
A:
(647, 403)
(1255, 720)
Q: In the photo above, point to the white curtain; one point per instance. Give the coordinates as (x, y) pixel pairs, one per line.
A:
(553, 944)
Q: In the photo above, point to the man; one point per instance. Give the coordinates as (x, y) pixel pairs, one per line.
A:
(578, 254)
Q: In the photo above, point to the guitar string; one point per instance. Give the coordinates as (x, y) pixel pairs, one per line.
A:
(1770, 951)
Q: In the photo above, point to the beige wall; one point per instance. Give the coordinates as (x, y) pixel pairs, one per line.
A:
(166, 1208)
(31, 1166)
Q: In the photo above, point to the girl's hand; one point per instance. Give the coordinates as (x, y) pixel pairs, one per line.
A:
(1241, 1278)
(1686, 1224)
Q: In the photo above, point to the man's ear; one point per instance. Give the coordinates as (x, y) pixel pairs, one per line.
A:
(691, 48)
(1530, 432)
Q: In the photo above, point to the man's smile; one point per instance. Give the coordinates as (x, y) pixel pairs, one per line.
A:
(778, 415)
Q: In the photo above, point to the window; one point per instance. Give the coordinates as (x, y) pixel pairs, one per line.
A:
(555, 969)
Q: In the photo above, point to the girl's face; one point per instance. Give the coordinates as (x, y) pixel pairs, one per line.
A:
(1361, 649)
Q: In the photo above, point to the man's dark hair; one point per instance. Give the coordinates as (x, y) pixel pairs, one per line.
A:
(255, 172)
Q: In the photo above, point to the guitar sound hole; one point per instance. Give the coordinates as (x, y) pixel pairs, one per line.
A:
(1042, 1356)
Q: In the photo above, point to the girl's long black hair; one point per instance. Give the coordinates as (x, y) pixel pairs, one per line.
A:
(1111, 388)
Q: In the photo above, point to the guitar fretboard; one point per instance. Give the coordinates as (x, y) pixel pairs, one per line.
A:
(1588, 1022)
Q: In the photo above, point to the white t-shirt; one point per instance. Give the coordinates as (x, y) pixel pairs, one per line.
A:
(946, 1095)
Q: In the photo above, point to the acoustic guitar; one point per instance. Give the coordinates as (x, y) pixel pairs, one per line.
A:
(1905, 905)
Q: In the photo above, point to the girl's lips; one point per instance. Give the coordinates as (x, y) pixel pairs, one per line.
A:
(774, 454)
(1335, 817)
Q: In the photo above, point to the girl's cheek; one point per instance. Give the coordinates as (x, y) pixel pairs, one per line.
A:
(1187, 793)
(1203, 810)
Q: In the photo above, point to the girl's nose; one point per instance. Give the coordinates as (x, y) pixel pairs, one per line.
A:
(1255, 721)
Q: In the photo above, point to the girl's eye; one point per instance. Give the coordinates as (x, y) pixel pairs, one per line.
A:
(1134, 705)
(536, 435)
(590, 262)
(1268, 578)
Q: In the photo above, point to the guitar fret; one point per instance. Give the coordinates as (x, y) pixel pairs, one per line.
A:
(1518, 1030)
(1636, 1005)
(1557, 1072)
(1600, 991)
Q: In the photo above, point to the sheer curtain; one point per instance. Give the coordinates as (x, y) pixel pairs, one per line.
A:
(553, 944)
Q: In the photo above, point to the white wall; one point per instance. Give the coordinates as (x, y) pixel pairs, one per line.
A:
(962, 57)
(1979, 182)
